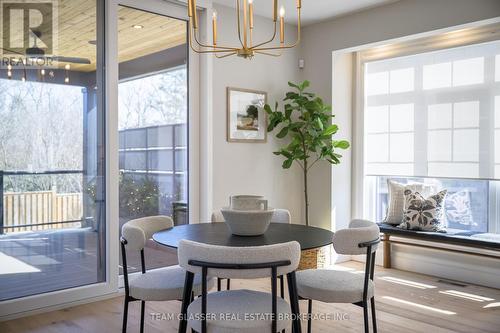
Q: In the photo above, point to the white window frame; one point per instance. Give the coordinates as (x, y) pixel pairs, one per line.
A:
(363, 193)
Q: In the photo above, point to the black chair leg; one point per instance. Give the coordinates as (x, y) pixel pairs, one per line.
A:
(228, 286)
(365, 316)
(219, 283)
(309, 315)
(125, 315)
(282, 287)
(374, 317)
(143, 308)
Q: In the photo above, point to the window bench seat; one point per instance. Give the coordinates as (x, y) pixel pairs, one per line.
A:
(462, 238)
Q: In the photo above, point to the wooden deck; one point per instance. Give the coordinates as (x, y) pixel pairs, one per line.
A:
(406, 303)
(37, 262)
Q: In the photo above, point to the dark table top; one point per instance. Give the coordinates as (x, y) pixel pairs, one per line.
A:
(219, 234)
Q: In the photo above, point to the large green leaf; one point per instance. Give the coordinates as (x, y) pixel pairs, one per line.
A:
(304, 85)
(342, 144)
(282, 133)
(330, 130)
(268, 109)
(287, 164)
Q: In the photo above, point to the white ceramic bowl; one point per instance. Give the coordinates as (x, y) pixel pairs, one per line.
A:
(247, 222)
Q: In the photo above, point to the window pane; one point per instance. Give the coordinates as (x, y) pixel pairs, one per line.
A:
(402, 118)
(53, 217)
(377, 148)
(497, 68)
(402, 80)
(470, 170)
(401, 169)
(153, 122)
(437, 76)
(377, 119)
(497, 111)
(439, 145)
(466, 145)
(497, 146)
(439, 116)
(402, 148)
(468, 71)
(377, 83)
(466, 114)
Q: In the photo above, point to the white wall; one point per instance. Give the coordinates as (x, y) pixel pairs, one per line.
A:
(395, 20)
(342, 83)
(251, 168)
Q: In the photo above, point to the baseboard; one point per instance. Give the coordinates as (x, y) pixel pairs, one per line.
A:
(62, 306)
(468, 268)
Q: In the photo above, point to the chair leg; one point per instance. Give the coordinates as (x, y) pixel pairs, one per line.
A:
(374, 317)
(143, 308)
(219, 283)
(228, 286)
(282, 287)
(125, 315)
(365, 316)
(309, 315)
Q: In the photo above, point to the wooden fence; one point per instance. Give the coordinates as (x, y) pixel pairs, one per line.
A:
(33, 208)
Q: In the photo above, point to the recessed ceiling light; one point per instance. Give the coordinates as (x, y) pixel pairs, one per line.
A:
(137, 26)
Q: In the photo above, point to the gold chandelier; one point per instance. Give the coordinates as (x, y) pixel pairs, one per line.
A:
(247, 48)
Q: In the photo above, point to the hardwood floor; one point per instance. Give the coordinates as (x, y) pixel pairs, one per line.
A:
(406, 302)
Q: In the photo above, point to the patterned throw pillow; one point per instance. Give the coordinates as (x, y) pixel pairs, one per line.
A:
(458, 208)
(421, 213)
(395, 207)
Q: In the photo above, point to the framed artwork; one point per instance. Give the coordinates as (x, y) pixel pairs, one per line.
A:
(246, 118)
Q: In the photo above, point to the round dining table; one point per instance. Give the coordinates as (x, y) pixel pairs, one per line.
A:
(219, 234)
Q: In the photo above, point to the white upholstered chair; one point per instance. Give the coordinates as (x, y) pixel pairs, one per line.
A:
(225, 311)
(164, 284)
(279, 216)
(331, 286)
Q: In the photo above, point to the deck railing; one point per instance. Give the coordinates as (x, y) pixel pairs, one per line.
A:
(39, 210)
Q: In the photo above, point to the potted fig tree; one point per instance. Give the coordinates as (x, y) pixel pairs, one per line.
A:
(306, 121)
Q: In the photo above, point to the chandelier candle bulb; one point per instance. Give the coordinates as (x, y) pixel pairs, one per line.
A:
(190, 8)
(275, 16)
(250, 12)
(282, 25)
(245, 23)
(195, 15)
(214, 27)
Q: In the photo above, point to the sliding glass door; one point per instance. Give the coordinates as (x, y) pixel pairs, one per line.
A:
(52, 158)
(84, 150)
(153, 123)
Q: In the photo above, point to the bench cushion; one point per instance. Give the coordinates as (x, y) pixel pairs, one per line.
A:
(451, 236)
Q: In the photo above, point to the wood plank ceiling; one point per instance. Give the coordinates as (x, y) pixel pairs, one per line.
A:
(77, 33)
